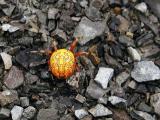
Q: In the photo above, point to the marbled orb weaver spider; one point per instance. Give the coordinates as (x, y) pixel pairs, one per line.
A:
(62, 62)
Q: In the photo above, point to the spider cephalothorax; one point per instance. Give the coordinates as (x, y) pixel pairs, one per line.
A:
(62, 62)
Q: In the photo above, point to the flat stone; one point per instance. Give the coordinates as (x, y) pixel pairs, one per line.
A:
(99, 111)
(122, 77)
(16, 112)
(8, 96)
(24, 101)
(48, 114)
(14, 78)
(88, 30)
(84, 3)
(145, 71)
(141, 7)
(4, 113)
(7, 59)
(155, 102)
(80, 113)
(52, 13)
(116, 100)
(144, 115)
(29, 112)
(94, 90)
(134, 54)
(103, 76)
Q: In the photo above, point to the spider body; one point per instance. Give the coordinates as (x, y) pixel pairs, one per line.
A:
(62, 62)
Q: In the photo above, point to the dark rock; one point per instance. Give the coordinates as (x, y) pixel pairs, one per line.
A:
(126, 41)
(94, 90)
(25, 41)
(14, 78)
(120, 115)
(116, 51)
(30, 79)
(144, 39)
(155, 6)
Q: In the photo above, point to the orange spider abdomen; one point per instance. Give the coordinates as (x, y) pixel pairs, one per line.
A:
(62, 63)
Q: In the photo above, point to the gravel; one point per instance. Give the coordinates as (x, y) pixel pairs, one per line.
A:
(16, 112)
(80, 113)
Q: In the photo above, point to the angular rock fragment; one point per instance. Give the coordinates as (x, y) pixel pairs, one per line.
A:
(122, 77)
(145, 71)
(10, 28)
(103, 76)
(4, 113)
(88, 30)
(80, 98)
(99, 111)
(24, 101)
(134, 54)
(14, 78)
(7, 59)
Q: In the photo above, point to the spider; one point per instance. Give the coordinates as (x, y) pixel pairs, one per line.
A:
(62, 62)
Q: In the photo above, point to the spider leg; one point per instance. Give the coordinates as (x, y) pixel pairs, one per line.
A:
(54, 45)
(45, 52)
(81, 54)
(73, 45)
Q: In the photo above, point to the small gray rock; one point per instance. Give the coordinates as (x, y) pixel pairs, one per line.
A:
(155, 102)
(24, 101)
(8, 96)
(4, 113)
(88, 30)
(103, 76)
(30, 79)
(134, 54)
(14, 78)
(29, 112)
(132, 85)
(103, 100)
(122, 77)
(80, 113)
(16, 112)
(99, 111)
(144, 115)
(145, 71)
(8, 11)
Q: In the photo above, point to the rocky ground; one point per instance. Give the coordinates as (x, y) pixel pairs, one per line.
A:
(120, 80)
